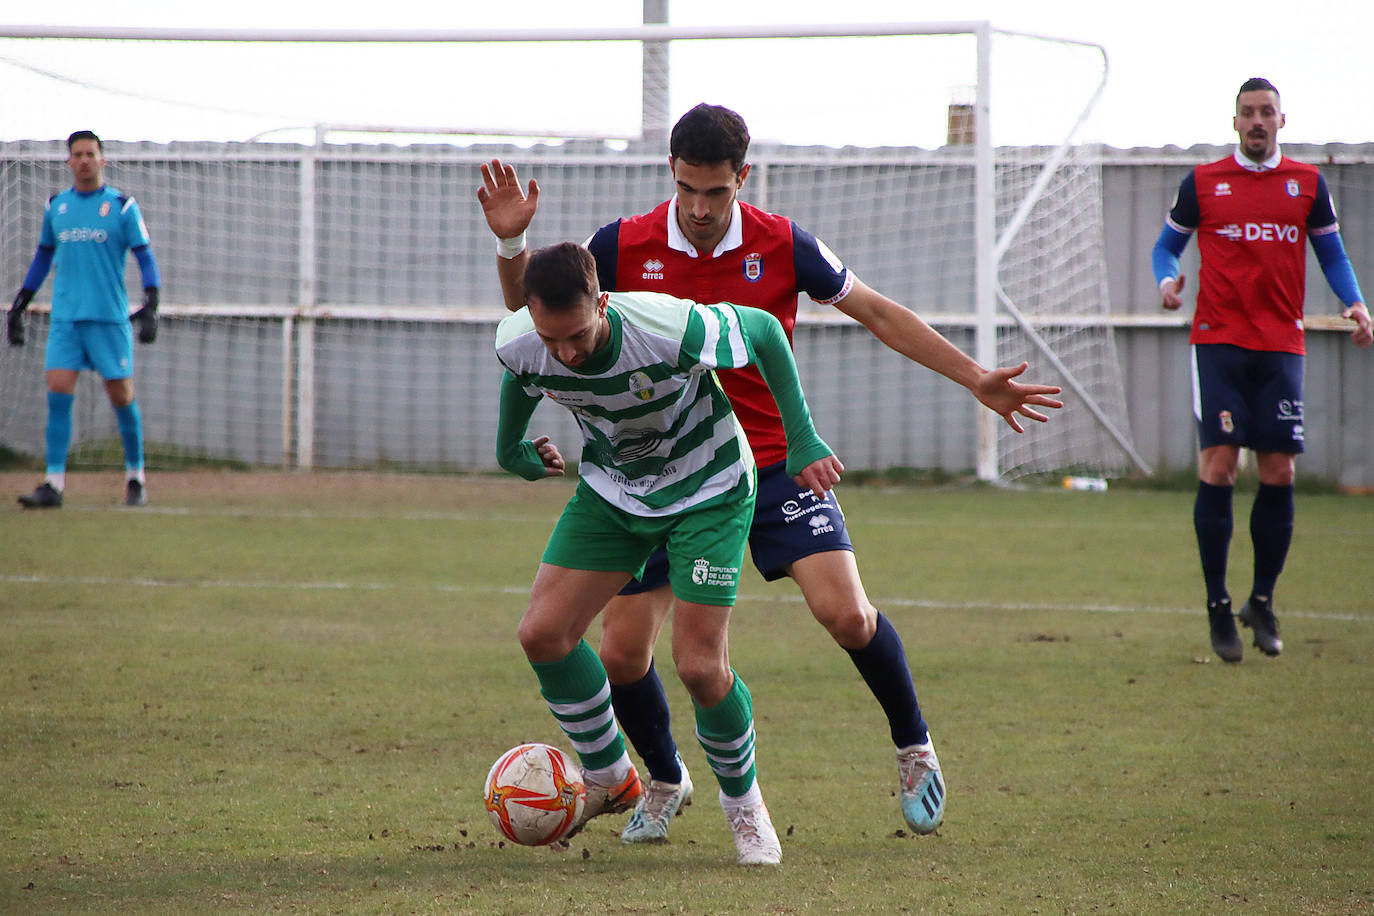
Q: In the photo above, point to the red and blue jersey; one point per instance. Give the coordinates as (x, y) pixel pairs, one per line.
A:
(764, 261)
(1252, 224)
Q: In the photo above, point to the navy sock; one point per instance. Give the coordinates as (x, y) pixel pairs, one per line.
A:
(1271, 528)
(642, 708)
(1212, 521)
(883, 665)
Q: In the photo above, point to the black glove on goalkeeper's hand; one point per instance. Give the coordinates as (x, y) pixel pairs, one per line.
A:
(14, 321)
(146, 317)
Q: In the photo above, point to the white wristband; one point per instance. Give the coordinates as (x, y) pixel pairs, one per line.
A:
(510, 248)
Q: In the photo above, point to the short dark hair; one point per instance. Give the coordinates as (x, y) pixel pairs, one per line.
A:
(1256, 84)
(559, 276)
(708, 134)
(84, 135)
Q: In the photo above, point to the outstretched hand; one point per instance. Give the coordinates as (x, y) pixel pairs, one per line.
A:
(820, 475)
(996, 391)
(507, 208)
(549, 454)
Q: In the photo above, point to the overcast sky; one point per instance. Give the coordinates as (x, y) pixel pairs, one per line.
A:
(1173, 66)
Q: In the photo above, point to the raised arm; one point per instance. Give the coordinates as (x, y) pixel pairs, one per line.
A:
(509, 212)
(904, 331)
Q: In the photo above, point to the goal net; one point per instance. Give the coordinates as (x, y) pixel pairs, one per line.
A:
(330, 293)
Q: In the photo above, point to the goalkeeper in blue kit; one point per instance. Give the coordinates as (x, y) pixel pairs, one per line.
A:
(88, 231)
(664, 463)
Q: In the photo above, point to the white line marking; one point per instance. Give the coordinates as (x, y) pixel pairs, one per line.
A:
(451, 588)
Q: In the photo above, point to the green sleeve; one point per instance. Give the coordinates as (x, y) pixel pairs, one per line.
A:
(773, 356)
(514, 452)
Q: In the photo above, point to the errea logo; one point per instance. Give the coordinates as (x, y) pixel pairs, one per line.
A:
(653, 270)
(820, 524)
(1223, 189)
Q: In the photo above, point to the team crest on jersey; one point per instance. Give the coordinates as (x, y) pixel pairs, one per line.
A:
(105, 209)
(1223, 189)
(753, 267)
(1228, 425)
(641, 386)
(1293, 188)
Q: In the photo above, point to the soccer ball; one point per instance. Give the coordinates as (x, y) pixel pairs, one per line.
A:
(535, 794)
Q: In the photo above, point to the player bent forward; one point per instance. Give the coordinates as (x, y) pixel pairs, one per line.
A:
(664, 463)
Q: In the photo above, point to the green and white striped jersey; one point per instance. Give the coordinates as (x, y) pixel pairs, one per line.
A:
(659, 436)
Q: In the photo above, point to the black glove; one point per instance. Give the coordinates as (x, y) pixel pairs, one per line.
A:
(14, 324)
(146, 317)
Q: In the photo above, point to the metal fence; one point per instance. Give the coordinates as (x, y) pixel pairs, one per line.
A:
(418, 388)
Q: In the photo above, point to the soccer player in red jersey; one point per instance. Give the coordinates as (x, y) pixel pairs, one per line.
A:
(706, 245)
(1253, 213)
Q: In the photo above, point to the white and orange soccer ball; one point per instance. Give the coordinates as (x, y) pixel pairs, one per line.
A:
(535, 794)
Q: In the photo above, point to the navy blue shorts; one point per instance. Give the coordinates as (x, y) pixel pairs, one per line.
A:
(789, 523)
(1250, 398)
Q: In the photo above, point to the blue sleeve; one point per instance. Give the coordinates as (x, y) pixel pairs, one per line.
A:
(1164, 257)
(1184, 217)
(148, 265)
(605, 248)
(820, 274)
(38, 270)
(1336, 266)
(47, 238)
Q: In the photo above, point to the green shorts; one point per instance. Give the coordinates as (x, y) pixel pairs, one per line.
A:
(705, 546)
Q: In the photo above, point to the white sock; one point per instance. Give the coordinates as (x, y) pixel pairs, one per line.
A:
(751, 799)
(58, 481)
(612, 775)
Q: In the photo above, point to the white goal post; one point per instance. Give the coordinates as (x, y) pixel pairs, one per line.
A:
(293, 326)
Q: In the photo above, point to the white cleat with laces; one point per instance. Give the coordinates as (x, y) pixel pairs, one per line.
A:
(755, 839)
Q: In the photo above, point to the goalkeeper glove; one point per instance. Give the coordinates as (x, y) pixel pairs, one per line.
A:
(14, 324)
(146, 317)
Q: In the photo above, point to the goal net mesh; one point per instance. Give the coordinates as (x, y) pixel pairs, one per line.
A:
(329, 290)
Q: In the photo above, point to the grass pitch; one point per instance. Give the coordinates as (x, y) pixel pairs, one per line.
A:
(281, 693)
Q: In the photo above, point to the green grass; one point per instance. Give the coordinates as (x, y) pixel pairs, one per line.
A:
(281, 693)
